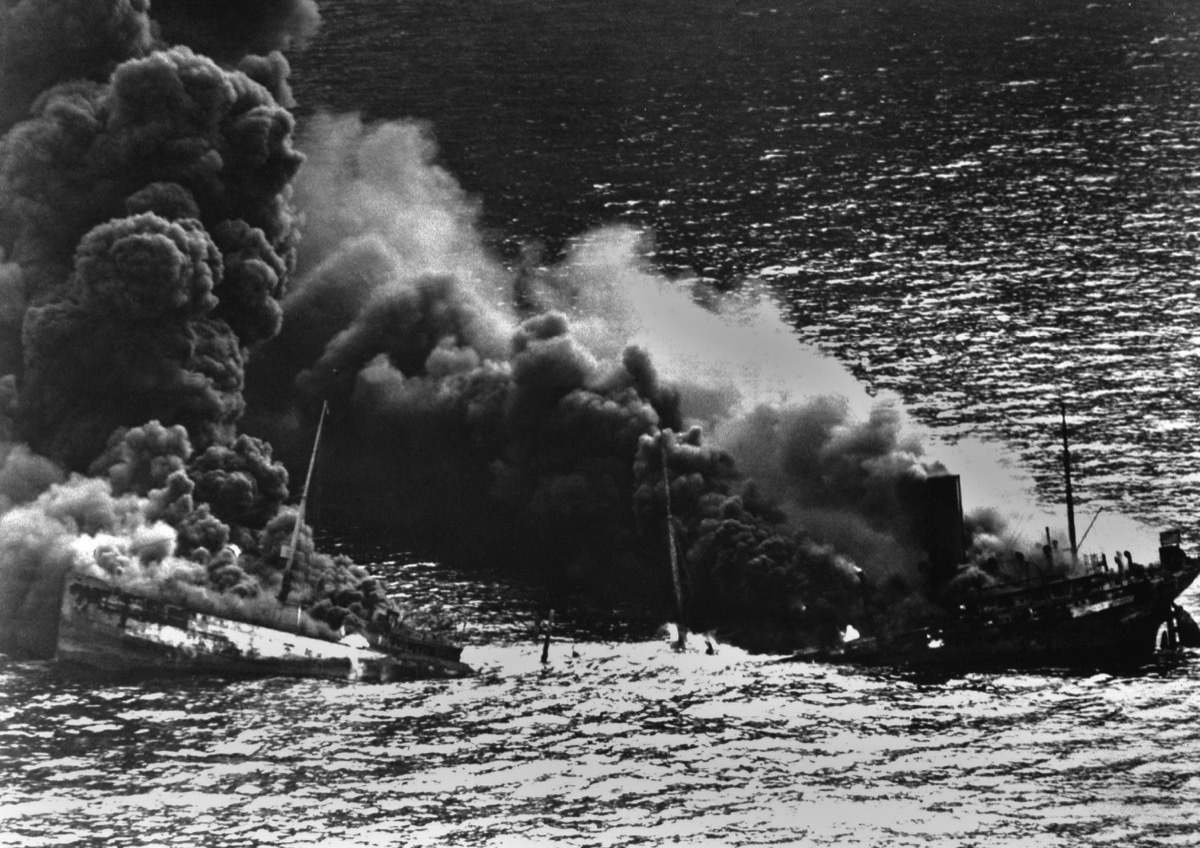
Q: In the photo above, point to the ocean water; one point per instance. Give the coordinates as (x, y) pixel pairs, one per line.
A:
(613, 742)
(982, 207)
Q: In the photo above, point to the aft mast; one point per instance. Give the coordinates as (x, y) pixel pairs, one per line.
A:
(290, 550)
(1067, 477)
(680, 642)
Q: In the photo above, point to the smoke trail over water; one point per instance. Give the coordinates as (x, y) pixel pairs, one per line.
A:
(517, 416)
(162, 324)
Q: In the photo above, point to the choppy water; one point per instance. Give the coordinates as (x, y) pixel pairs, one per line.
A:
(977, 205)
(612, 743)
(983, 206)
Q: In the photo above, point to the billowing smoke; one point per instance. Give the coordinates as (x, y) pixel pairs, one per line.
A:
(45, 42)
(836, 474)
(519, 417)
(146, 238)
(162, 325)
(149, 220)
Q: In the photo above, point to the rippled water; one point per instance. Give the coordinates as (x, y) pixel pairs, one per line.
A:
(977, 205)
(982, 206)
(610, 744)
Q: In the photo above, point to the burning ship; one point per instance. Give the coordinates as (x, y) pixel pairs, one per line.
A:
(107, 628)
(1027, 613)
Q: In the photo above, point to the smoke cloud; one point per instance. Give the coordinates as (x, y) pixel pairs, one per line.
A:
(164, 329)
(518, 417)
(147, 235)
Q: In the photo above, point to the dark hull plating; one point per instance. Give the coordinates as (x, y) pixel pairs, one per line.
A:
(1094, 621)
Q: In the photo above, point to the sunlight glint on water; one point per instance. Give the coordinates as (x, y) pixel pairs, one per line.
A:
(975, 205)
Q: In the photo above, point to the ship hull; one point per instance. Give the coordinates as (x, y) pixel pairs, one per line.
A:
(105, 630)
(1082, 623)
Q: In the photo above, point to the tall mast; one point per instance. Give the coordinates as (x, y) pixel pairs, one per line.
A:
(674, 552)
(286, 586)
(1067, 473)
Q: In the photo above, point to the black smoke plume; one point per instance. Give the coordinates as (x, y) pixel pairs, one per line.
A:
(146, 237)
(162, 325)
(45, 42)
(518, 418)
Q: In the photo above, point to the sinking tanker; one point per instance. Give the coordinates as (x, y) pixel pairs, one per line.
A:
(110, 629)
(1061, 610)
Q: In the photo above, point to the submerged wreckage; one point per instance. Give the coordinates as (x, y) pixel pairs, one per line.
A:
(1026, 614)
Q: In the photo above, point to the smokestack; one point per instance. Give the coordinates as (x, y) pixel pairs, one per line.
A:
(936, 514)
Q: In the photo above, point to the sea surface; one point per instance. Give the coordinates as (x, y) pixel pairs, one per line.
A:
(981, 207)
(617, 740)
(984, 206)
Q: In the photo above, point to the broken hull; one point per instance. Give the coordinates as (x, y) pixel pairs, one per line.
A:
(105, 630)
(1082, 623)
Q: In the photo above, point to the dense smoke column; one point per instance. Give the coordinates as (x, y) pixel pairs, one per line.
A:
(89, 37)
(746, 570)
(517, 455)
(531, 454)
(846, 479)
(148, 316)
(146, 237)
(472, 434)
(496, 417)
(172, 134)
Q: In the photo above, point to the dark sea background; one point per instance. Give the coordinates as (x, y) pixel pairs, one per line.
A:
(979, 208)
